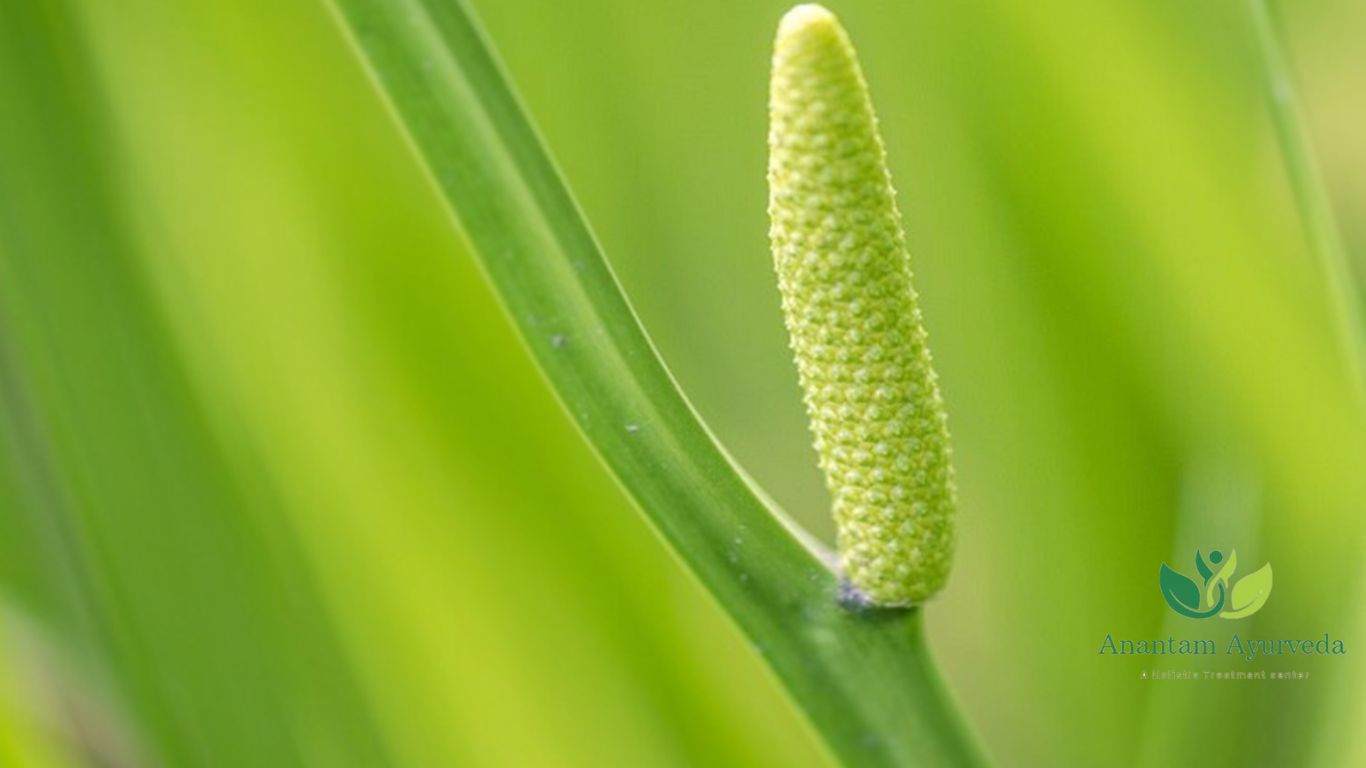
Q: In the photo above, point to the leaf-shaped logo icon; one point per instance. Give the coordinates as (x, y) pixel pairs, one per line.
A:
(1219, 591)
(1249, 594)
(1183, 595)
(1205, 572)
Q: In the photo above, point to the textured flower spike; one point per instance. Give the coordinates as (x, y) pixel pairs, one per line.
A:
(852, 315)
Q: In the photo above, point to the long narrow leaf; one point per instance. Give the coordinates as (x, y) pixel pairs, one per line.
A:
(864, 678)
(1311, 198)
(144, 555)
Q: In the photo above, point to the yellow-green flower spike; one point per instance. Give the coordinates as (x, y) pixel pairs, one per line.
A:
(852, 315)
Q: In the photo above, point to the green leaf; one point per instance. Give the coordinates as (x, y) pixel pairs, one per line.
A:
(1205, 572)
(865, 678)
(148, 562)
(1249, 594)
(1181, 593)
(1311, 198)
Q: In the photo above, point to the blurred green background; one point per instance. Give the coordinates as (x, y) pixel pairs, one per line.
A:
(279, 485)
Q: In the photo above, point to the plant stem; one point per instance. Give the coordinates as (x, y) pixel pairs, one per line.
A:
(865, 679)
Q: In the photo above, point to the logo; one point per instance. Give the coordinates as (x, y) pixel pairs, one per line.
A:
(1217, 594)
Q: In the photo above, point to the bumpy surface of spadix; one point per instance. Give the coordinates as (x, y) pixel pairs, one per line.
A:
(852, 315)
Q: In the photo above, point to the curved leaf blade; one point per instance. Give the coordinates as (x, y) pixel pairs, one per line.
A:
(865, 679)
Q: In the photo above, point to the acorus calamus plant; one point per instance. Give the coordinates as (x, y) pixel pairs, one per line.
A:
(861, 348)
(849, 647)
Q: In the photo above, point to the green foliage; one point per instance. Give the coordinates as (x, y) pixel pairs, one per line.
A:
(865, 680)
(376, 500)
(141, 549)
(1343, 287)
